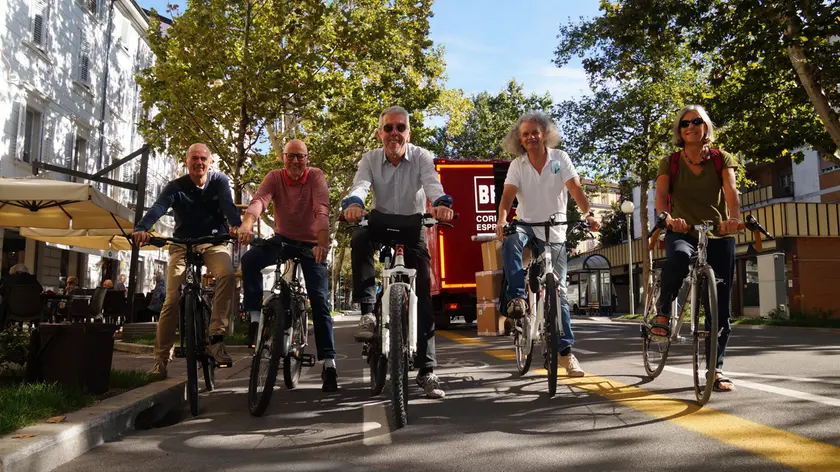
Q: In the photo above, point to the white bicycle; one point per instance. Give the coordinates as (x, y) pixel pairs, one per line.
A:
(394, 344)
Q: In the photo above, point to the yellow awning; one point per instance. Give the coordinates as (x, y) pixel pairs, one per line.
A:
(102, 239)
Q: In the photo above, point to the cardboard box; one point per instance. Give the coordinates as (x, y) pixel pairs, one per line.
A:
(491, 255)
(489, 321)
(488, 285)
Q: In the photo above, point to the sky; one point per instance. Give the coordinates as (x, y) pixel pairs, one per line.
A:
(489, 42)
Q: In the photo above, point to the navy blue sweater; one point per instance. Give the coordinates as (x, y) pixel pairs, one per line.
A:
(197, 211)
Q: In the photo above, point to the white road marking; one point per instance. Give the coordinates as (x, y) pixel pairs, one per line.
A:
(768, 388)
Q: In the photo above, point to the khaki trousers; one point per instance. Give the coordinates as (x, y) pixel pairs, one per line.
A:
(218, 262)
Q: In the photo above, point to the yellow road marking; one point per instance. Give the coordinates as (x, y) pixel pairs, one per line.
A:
(458, 338)
(781, 446)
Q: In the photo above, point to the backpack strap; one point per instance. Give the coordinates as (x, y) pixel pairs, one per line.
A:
(674, 162)
(717, 160)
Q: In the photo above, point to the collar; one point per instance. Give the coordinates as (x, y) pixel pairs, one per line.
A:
(300, 181)
(405, 156)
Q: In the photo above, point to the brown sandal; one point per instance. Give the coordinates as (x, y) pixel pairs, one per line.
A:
(664, 328)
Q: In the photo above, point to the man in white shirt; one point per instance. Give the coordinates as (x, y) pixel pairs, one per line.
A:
(402, 177)
(538, 179)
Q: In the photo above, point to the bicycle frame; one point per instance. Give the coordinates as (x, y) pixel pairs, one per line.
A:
(398, 274)
(294, 287)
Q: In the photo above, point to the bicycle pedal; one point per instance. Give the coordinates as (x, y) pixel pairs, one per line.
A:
(179, 352)
(224, 365)
(308, 360)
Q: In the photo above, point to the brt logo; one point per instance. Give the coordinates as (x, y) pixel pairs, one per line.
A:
(485, 194)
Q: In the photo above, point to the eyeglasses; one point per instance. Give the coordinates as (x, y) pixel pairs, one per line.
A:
(401, 127)
(295, 155)
(695, 121)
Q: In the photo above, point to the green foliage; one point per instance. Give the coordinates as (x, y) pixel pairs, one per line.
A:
(242, 75)
(14, 347)
(613, 226)
(744, 48)
(488, 119)
(573, 238)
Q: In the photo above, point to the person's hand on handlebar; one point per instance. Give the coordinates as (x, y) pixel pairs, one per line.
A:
(729, 226)
(500, 231)
(245, 233)
(442, 213)
(140, 237)
(594, 225)
(354, 213)
(678, 225)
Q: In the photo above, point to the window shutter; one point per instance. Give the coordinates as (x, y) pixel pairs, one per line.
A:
(17, 119)
(39, 13)
(84, 60)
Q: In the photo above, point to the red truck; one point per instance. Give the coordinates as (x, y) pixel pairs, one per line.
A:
(455, 256)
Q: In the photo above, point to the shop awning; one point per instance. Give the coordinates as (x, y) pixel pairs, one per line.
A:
(101, 239)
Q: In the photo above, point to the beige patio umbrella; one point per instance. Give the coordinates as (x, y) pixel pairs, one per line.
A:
(102, 239)
(44, 203)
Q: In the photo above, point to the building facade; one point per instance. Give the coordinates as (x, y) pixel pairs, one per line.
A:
(68, 97)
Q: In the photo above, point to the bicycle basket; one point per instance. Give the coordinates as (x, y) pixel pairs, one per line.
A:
(395, 229)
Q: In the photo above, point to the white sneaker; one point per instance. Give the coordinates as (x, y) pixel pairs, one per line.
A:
(367, 324)
(570, 363)
(431, 385)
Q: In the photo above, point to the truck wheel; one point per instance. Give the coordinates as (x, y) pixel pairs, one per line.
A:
(441, 321)
(469, 318)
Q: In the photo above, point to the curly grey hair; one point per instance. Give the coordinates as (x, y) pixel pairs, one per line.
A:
(19, 269)
(398, 111)
(708, 138)
(512, 142)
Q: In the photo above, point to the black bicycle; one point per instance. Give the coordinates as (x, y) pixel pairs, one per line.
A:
(542, 317)
(194, 316)
(284, 310)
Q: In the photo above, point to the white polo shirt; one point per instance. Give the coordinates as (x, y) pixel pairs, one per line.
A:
(541, 195)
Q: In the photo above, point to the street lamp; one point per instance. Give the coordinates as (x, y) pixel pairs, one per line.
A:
(627, 208)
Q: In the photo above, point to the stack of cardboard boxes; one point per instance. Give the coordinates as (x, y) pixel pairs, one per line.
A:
(488, 287)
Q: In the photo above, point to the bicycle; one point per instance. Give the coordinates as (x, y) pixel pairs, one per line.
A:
(655, 348)
(194, 316)
(284, 310)
(394, 343)
(546, 326)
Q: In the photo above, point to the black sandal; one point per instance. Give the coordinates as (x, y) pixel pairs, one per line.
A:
(663, 326)
(717, 388)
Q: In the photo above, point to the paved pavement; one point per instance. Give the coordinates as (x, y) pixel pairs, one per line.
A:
(783, 415)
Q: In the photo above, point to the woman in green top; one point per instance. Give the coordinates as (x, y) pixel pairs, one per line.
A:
(702, 189)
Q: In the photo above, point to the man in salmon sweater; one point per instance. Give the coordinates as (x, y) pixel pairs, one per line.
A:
(301, 219)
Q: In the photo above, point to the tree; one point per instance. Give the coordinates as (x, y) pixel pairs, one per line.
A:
(242, 76)
(774, 66)
(487, 121)
(614, 226)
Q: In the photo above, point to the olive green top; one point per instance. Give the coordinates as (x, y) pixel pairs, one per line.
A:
(697, 198)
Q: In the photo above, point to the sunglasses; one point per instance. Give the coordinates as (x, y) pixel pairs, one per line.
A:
(294, 155)
(401, 127)
(695, 121)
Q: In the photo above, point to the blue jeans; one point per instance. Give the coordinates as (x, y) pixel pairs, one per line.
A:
(314, 275)
(515, 274)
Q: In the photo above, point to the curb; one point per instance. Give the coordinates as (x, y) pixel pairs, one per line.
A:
(150, 350)
(55, 444)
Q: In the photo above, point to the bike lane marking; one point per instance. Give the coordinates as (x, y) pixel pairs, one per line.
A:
(768, 388)
(784, 447)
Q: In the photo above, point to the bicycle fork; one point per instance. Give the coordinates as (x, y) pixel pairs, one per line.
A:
(391, 278)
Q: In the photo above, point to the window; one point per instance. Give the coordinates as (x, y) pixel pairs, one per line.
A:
(84, 59)
(92, 5)
(32, 135)
(39, 22)
(79, 153)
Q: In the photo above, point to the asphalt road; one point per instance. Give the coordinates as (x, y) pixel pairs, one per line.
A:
(783, 416)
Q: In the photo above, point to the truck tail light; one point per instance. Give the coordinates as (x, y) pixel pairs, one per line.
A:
(452, 306)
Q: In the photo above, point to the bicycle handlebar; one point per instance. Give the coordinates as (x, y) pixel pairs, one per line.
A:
(750, 223)
(160, 241)
(579, 225)
(428, 221)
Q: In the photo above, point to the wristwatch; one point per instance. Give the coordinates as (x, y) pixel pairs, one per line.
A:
(591, 213)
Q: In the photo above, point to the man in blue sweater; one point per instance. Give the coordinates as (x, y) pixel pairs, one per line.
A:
(201, 201)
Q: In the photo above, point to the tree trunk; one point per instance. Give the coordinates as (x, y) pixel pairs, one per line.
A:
(812, 87)
(644, 222)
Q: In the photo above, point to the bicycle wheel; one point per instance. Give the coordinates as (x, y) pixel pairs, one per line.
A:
(521, 336)
(266, 359)
(191, 338)
(553, 323)
(398, 355)
(293, 362)
(654, 348)
(705, 341)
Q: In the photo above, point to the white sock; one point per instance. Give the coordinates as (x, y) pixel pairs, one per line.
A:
(255, 316)
(329, 363)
